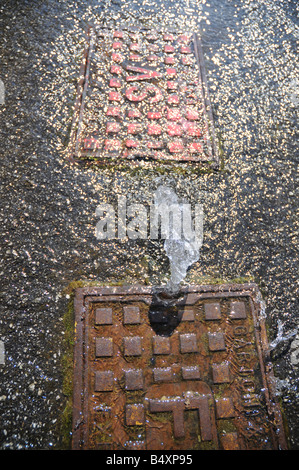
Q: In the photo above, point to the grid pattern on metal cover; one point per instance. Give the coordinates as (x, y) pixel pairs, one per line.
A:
(205, 386)
(143, 95)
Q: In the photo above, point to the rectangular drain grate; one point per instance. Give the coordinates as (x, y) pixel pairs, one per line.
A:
(143, 95)
(205, 385)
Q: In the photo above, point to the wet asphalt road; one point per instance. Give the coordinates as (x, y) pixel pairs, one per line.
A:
(47, 207)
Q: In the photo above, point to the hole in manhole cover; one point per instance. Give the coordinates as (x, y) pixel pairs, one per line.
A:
(143, 95)
(202, 385)
(165, 312)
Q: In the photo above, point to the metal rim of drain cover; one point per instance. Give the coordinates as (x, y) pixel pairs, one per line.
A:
(208, 384)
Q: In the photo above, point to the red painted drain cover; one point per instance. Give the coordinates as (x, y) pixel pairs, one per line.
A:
(143, 95)
(188, 374)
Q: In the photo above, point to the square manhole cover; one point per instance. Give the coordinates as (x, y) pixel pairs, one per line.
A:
(143, 95)
(188, 374)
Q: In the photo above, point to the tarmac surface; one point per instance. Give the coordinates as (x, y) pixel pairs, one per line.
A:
(47, 206)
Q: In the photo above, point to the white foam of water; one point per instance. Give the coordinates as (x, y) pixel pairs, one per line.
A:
(182, 249)
(281, 337)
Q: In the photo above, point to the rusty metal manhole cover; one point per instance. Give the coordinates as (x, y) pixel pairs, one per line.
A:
(143, 95)
(188, 375)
